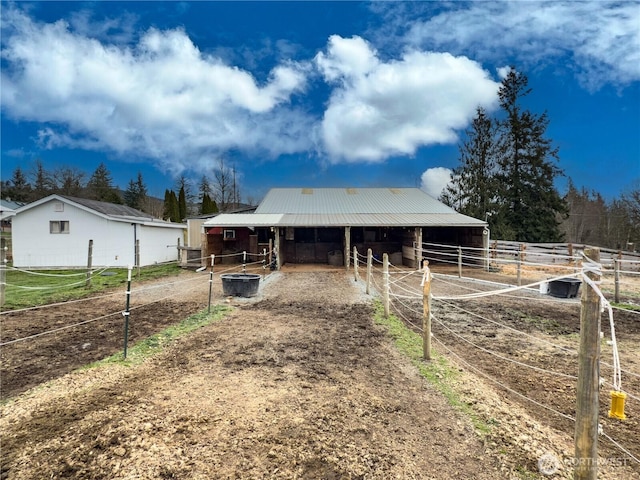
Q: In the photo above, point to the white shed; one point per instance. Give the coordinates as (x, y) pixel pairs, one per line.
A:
(54, 232)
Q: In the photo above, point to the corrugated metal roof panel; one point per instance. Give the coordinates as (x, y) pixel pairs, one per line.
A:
(342, 220)
(244, 220)
(351, 200)
(379, 220)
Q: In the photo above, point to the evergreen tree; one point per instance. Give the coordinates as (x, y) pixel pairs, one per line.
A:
(135, 195)
(208, 205)
(18, 188)
(43, 183)
(175, 208)
(190, 200)
(182, 205)
(100, 186)
(472, 187)
(529, 204)
(171, 211)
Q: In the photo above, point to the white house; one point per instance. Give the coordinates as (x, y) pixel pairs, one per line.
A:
(55, 232)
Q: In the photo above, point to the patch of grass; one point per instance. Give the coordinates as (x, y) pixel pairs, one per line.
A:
(148, 347)
(32, 289)
(439, 372)
(627, 306)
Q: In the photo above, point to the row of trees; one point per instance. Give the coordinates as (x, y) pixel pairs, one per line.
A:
(221, 195)
(507, 173)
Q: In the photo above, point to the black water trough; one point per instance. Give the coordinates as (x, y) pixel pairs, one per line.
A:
(564, 288)
(240, 284)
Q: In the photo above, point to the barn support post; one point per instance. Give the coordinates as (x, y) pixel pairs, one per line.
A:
(418, 249)
(355, 264)
(276, 248)
(385, 283)
(127, 311)
(87, 283)
(347, 247)
(213, 262)
(616, 273)
(587, 395)
(459, 261)
(270, 251)
(369, 267)
(426, 312)
(3, 271)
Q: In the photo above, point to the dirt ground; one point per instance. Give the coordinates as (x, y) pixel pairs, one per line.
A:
(296, 383)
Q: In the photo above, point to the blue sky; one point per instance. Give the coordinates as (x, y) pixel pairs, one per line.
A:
(318, 94)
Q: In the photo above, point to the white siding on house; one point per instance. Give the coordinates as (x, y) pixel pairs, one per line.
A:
(113, 240)
(158, 245)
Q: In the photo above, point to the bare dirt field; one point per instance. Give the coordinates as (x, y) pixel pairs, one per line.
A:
(296, 383)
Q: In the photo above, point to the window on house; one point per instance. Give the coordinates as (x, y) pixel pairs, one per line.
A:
(59, 226)
(229, 234)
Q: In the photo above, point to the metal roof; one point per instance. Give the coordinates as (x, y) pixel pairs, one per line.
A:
(110, 209)
(244, 220)
(340, 207)
(350, 200)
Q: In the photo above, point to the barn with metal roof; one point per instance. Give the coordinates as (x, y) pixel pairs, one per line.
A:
(320, 225)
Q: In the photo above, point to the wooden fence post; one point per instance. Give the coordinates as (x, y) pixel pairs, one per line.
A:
(459, 262)
(87, 283)
(385, 283)
(369, 265)
(586, 432)
(426, 310)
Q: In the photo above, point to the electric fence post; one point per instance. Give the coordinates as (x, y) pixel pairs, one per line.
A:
(385, 287)
(213, 261)
(426, 317)
(127, 311)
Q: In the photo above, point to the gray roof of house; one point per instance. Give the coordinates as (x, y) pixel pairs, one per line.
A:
(115, 212)
(111, 209)
(339, 207)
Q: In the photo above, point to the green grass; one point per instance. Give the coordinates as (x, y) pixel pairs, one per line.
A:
(42, 290)
(626, 306)
(438, 371)
(150, 346)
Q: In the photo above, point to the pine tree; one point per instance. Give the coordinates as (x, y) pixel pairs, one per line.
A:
(100, 186)
(472, 188)
(171, 211)
(529, 204)
(18, 188)
(135, 195)
(43, 183)
(208, 205)
(182, 205)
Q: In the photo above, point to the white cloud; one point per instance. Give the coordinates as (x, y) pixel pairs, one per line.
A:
(162, 98)
(383, 109)
(600, 37)
(434, 180)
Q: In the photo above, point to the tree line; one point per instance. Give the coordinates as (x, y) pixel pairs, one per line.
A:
(506, 176)
(220, 194)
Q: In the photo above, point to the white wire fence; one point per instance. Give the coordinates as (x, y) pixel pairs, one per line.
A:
(499, 330)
